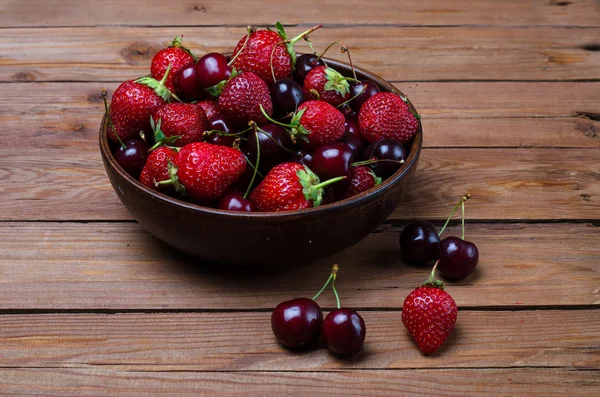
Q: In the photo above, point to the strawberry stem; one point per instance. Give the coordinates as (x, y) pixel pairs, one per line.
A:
(332, 276)
(305, 34)
(253, 125)
(328, 182)
(110, 123)
(462, 201)
(432, 281)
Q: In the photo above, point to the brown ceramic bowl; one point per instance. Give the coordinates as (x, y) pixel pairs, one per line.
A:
(259, 239)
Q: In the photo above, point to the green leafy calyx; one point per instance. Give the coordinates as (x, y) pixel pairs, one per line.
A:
(336, 82)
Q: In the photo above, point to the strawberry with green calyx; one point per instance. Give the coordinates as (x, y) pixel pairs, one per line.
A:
(217, 89)
(159, 86)
(157, 169)
(244, 98)
(288, 187)
(160, 138)
(315, 123)
(175, 55)
(187, 121)
(265, 52)
(429, 313)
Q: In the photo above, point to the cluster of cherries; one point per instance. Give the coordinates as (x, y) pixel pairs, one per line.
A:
(456, 257)
(298, 324)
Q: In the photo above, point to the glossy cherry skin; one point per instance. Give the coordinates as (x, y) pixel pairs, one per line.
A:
(351, 127)
(219, 126)
(344, 332)
(419, 242)
(458, 258)
(348, 112)
(233, 200)
(287, 96)
(304, 157)
(385, 149)
(332, 160)
(362, 91)
(356, 143)
(297, 323)
(275, 145)
(211, 69)
(187, 86)
(304, 64)
(132, 157)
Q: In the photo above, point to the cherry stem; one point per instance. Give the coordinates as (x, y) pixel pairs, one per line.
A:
(310, 45)
(462, 237)
(110, 123)
(344, 49)
(262, 109)
(352, 98)
(250, 31)
(373, 161)
(253, 125)
(332, 276)
(462, 201)
(271, 59)
(337, 297)
(328, 182)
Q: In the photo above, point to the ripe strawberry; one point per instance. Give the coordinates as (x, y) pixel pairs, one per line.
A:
(156, 169)
(361, 179)
(254, 52)
(187, 121)
(326, 84)
(318, 123)
(210, 107)
(130, 110)
(429, 313)
(206, 171)
(387, 115)
(175, 55)
(288, 187)
(242, 98)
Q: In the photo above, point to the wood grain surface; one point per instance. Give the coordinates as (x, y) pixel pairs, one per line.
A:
(509, 92)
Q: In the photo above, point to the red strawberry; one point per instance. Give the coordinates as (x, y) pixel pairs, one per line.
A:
(206, 171)
(318, 123)
(254, 52)
(210, 107)
(156, 169)
(326, 84)
(387, 115)
(175, 55)
(361, 179)
(429, 313)
(184, 120)
(130, 110)
(288, 187)
(242, 98)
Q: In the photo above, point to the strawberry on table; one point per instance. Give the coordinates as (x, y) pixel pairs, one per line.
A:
(175, 55)
(429, 313)
(242, 98)
(288, 187)
(156, 169)
(254, 52)
(387, 115)
(187, 121)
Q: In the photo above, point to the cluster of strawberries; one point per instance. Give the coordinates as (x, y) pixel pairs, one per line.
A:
(259, 131)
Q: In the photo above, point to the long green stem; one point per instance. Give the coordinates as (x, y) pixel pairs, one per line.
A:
(323, 288)
(110, 123)
(463, 220)
(462, 200)
(328, 182)
(262, 109)
(337, 297)
(257, 160)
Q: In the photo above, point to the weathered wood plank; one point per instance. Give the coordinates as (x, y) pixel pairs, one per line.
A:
(212, 342)
(416, 54)
(120, 266)
(212, 12)
(58, 184)
(103, 381)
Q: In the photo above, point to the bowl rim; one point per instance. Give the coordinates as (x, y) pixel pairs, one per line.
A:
(359, 199)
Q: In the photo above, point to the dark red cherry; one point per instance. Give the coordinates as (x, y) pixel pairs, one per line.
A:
(419, 242)
(275, 145)
(344, 332)
(287, 96)
(351, 126)
(304, 157)
(211, 69)
(132, 157)
(385, 149)
(297, 323)
(233, 200)
(458, 258)
(187, 87)
(332, 160)
(219, 128)
(362, 91)
(356, 143)
(304, 64)
(348, 112)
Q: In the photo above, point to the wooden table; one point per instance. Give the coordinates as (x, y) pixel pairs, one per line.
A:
(91, 304)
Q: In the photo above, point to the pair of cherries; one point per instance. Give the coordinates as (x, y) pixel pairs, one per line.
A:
(298, 324)
(457, 258)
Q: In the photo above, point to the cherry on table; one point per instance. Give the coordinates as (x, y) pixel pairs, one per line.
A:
(386, 150)
(287, 95)
(187, 86)
(132, 156)
(332, 160)
(419, 242)
(234, 200)
(297, 323)
(361, 92)
(458, 258)
(344, 332)
(211, 69)
(304, 64)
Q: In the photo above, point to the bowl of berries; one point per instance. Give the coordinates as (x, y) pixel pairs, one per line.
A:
(261, 157)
